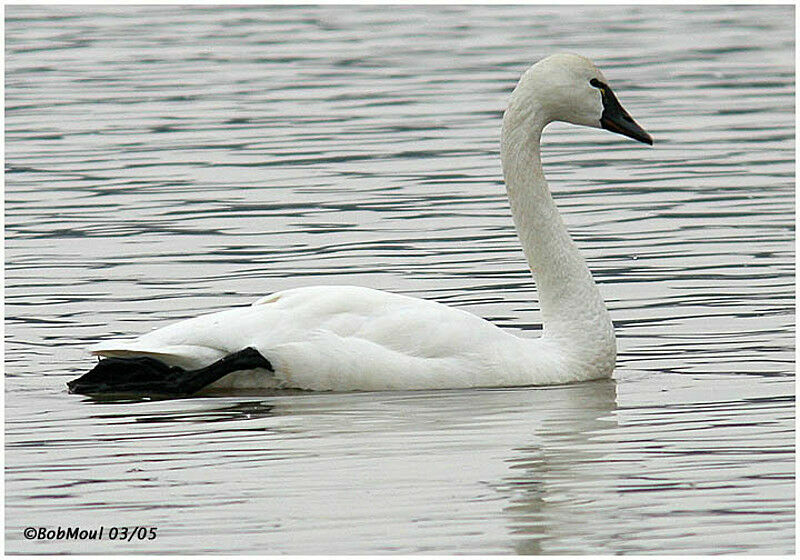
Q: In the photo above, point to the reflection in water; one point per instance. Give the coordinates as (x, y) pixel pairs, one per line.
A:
(561, 458)
(630, 479)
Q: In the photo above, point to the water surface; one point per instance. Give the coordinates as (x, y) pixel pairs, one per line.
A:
(164, 161)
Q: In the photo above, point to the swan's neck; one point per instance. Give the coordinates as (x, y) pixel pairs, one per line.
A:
(574, 314)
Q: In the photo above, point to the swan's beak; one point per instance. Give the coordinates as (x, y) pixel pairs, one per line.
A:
(616, 119)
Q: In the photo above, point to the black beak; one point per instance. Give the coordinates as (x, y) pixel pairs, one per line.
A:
(616, 119)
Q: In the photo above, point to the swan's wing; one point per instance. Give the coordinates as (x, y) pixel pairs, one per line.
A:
(347, 337)
(403, 324)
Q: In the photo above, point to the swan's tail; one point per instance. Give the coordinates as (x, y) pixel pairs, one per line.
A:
(143, 374)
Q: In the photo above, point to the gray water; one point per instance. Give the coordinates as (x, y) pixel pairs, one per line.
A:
(167, 161)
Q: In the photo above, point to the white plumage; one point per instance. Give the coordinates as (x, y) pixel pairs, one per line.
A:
(353, 338)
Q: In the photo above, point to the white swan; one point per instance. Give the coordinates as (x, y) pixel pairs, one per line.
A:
(351, 338)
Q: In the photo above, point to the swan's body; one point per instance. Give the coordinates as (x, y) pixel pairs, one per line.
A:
(346, 337)
(351, 338)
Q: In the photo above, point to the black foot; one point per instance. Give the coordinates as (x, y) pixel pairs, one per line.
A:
(150, 376)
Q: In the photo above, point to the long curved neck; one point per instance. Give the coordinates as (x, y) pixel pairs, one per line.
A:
(574, 314)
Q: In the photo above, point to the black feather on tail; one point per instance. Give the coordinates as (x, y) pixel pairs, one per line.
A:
(150, 376)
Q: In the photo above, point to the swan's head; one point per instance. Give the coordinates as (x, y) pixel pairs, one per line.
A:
(569, 88)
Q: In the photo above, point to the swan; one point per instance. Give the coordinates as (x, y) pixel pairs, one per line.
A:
(345, 338)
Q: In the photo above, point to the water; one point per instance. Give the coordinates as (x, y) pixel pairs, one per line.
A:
(163, 161)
